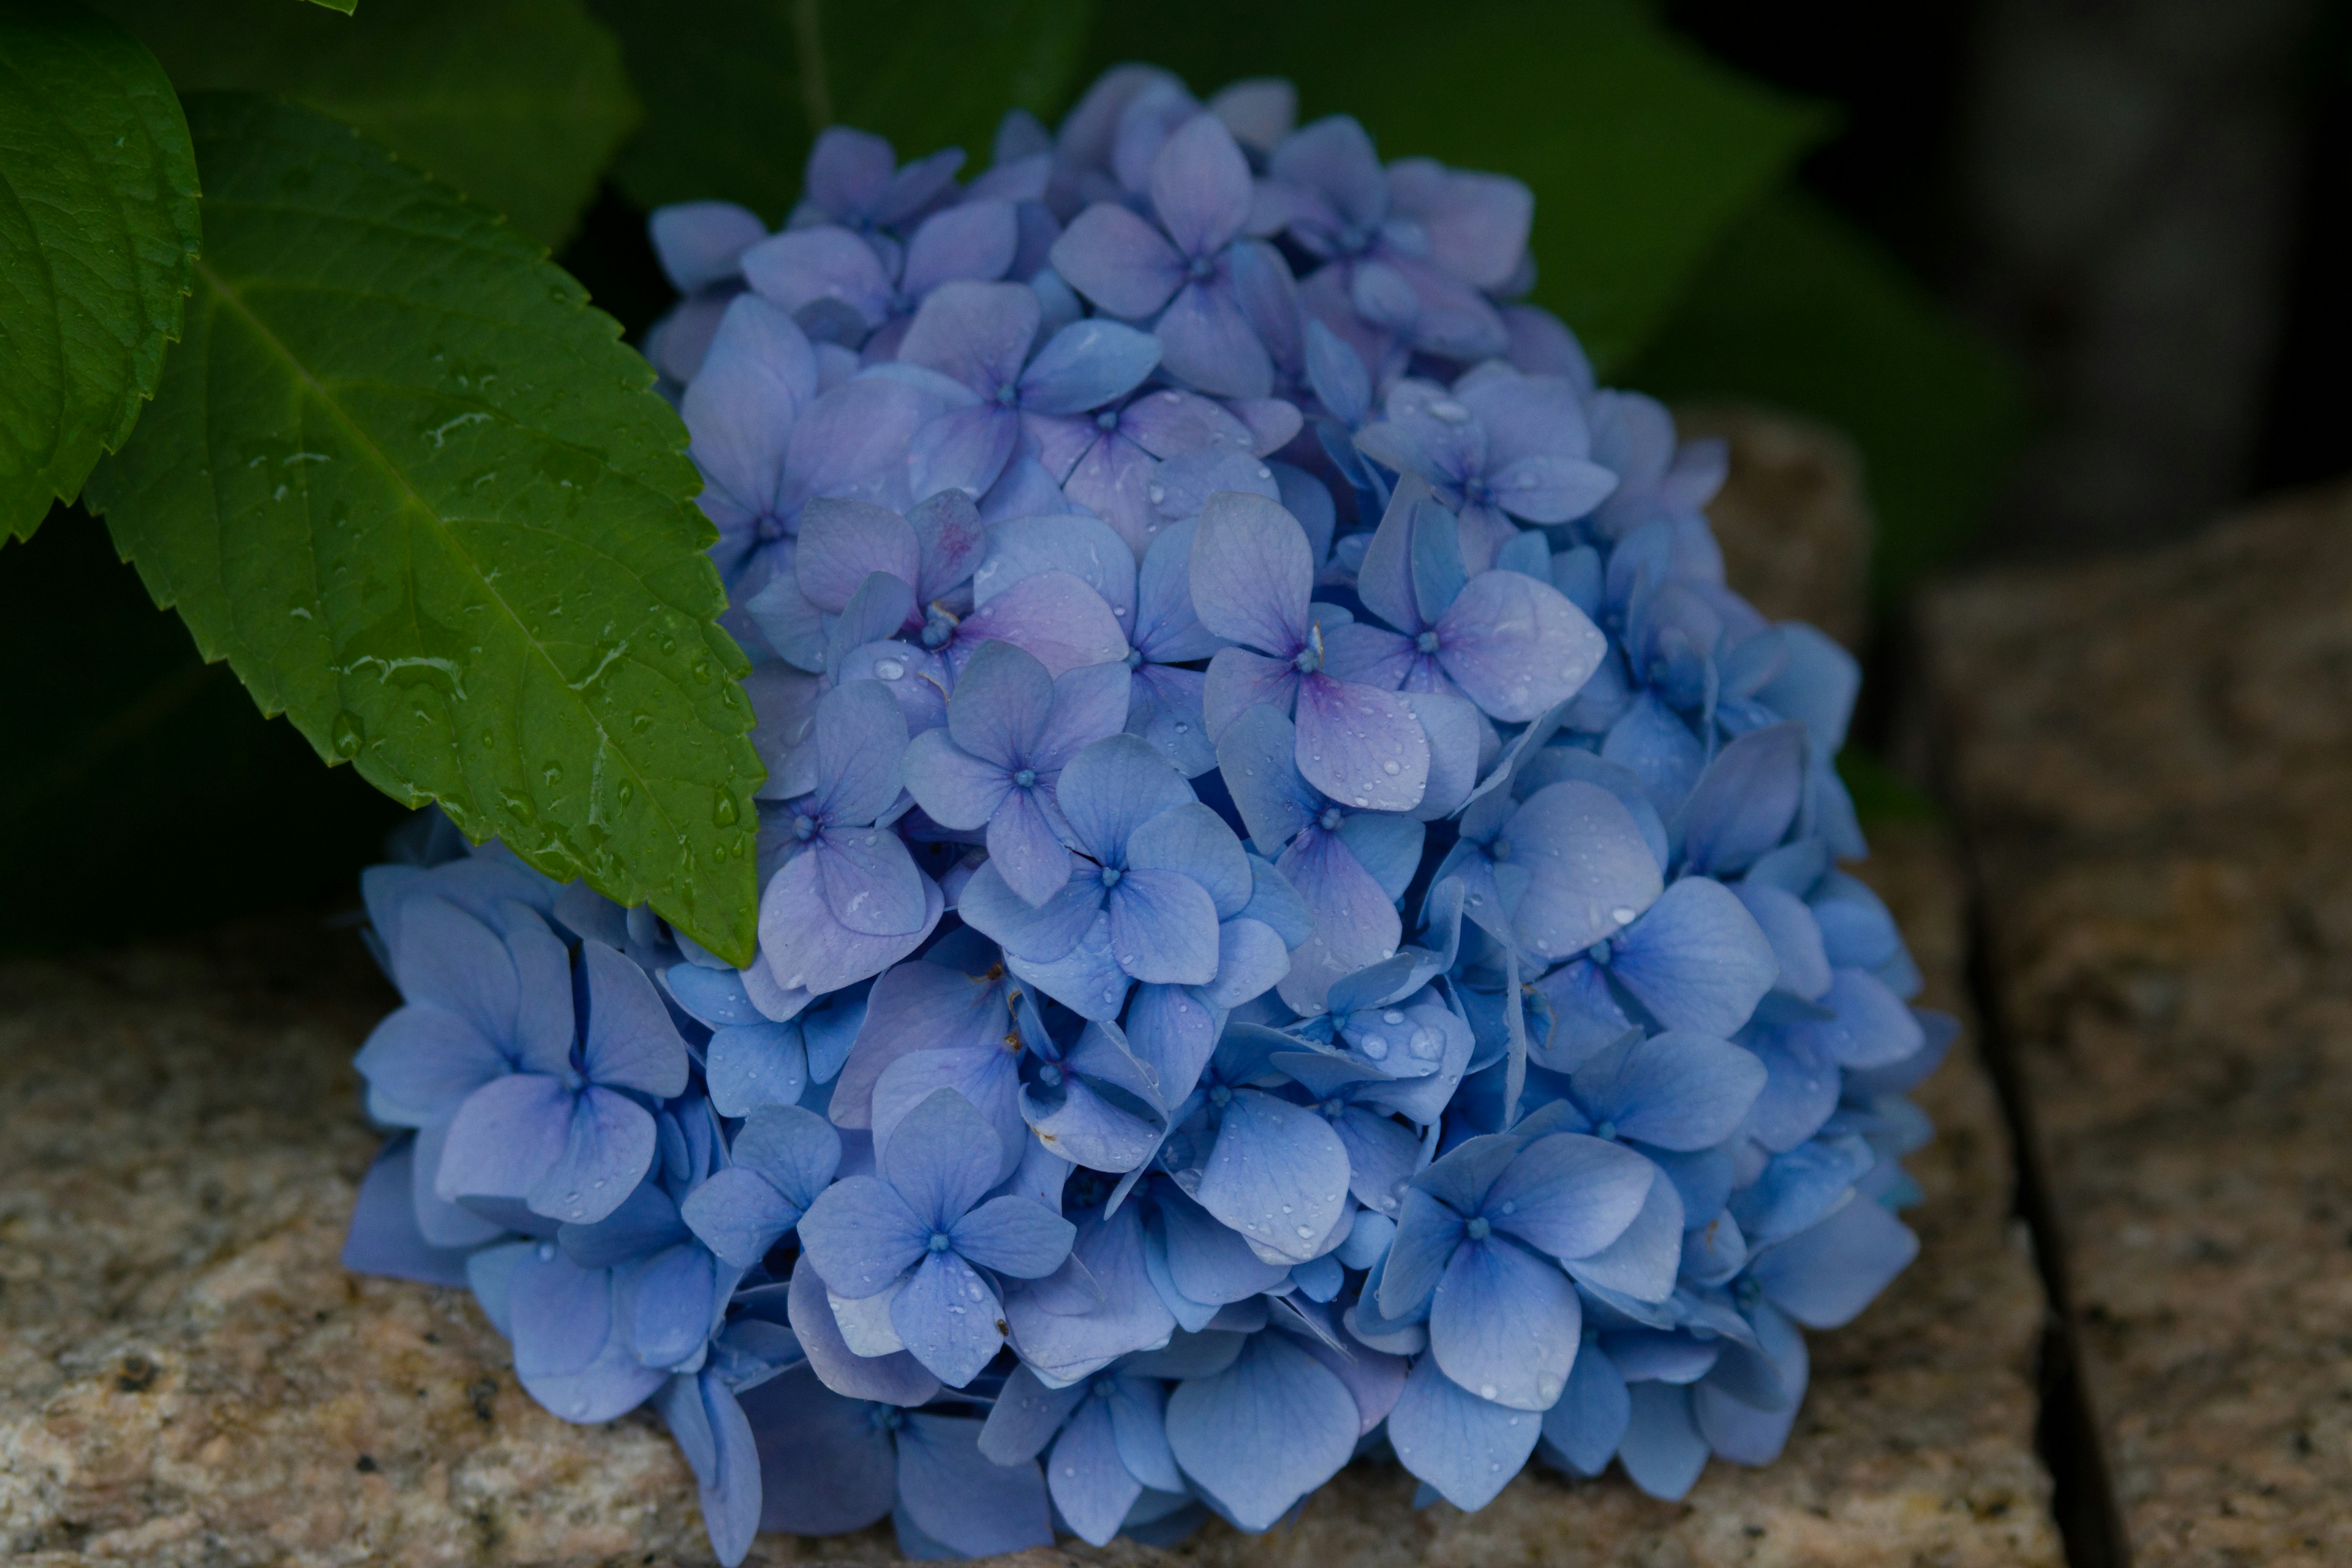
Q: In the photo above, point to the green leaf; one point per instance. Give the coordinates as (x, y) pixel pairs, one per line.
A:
(519, 104)
(734, 97)
(1802, 310)
(345, 6)
(424, 501)
(98, 225)
(1642, 152)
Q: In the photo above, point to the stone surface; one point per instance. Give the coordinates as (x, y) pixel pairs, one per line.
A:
(2153, 760)
(188, 1377)
(1792, 517)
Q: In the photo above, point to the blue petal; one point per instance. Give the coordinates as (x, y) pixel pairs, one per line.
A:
(1427, 1235)
(674, 1305)
(1825, 1276)
(1570, 1195)
(1090, 1484)
(716, 1438)
(1697, 960)
(608, 1149)
(1662, 1450)
(893, 1379)
(1278, 1175)
(1026, 1416)
(1795, 936)
(1255, 754)
(1207, 1261)
(941, 1157)
(1013, 1235)
(1130, 1316)
(1659, 747)
(749, 1065)
(1642, 1262)
(825, 1467)
(1590, 1420)
(860, 1235)
(1504, 1325)
(957, 1497)
(947, 1316)
(1592, 873)
(1252, 574)
(1086, 364)
(383, 1237)
(1464, 1445)
(1264, 1432)
(739, 1216)
(1678, 1090)
(1193, 840)
(1745, 801)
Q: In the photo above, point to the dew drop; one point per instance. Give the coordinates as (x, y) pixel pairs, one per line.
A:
(1622, 916)
(1390, 769)
(1451, 412)
(724, 812)
(1487, 1391)
(889, 668)
(347, 735)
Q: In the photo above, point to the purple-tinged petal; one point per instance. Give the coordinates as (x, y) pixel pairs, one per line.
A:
(963, 449)
(1193, 840)
(1240, 682)
(955, 788)
(1055, 618)
(797, 269)
(807, 950)
(1466, 1448)
(1084, 547)
(847, 171)
(1119, 261)
(1002, 701)
(852, 441)
(973, 241)
(1517, 647)
(843, 541)
(1163, 928)
(1015, 1237)
(1201, 186)
(1165, 709)
(1361, 746)
(1252, 572)
(1256, 755)
(1478, 224)
(758, 377)
(1207, 342)
(1038, 932)
(977, 333)
(914, 186)
(1025, 848)
(698, 243)
(1089, 705)
(1086, 364)
(861, 735)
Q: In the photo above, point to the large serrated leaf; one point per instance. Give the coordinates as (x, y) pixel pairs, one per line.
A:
(520, 103)
(1642, 152)
(733, 100)
(422, 499)
(98, 221)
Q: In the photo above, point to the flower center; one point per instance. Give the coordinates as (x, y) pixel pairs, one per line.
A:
(769, 529)
(1111, 875)
(1135, 658)
(939, 1242)
(1202, 269)
(939, 626)
(1221, 1095)
(1050, 1075)
(1479, 1228)
(1008, 394)
(1106, 420)
(1426, 642)
(1606, 1130)
(1599, 951)
(1330, 819)
(885, 1418)
(1499, 850)
(1747, 1292)
(803, 828)
(1026, 778)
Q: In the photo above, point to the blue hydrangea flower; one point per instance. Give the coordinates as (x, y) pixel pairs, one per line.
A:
(1153, 622)
(920, 1230)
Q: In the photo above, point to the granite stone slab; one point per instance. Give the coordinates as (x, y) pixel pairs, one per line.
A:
(2152, 757)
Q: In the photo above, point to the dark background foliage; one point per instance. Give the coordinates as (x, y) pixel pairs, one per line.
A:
(1990, 240)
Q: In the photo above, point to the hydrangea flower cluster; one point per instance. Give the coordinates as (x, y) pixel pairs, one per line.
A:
(1301, 915)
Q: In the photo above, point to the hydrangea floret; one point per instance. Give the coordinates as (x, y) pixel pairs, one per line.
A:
(1300, 917)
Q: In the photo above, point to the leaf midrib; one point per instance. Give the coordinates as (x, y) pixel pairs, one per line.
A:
(367, 442)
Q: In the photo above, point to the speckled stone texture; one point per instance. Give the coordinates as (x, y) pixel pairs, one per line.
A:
(188, 1379)
(1792, 517)
(2153, 759)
